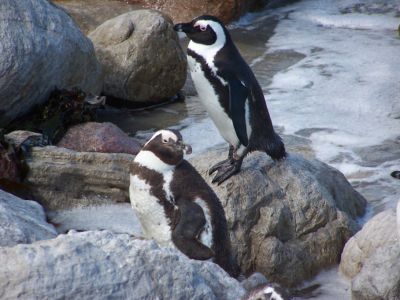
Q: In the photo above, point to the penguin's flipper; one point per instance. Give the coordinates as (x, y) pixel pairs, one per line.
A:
(238, 94)
(184, 235)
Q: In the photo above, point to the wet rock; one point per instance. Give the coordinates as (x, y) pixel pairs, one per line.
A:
(99, 137)
(22, 221)
(371, 259)
(60, 178)
(374, 156)
(289, 219)
(50, 50)
(103, 265)
(141, 57)
(184, 12)
(298, 145)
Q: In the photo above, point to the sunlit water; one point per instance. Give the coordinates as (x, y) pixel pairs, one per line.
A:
(331, 74)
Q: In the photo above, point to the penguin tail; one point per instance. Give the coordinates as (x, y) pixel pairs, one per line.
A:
(229, 264)
(275, 147)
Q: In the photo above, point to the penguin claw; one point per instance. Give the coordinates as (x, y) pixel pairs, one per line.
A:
(226, 173)
(221, 164)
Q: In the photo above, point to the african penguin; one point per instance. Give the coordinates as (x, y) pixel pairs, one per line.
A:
(395, 174)
(269, 291)
(175, 205)
(230, 93)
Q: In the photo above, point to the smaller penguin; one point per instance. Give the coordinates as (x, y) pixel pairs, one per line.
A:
(174, 204)
(269, 291)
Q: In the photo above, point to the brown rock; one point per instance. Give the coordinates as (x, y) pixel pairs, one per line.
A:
(99, 137)
(184, 11)
(89, 14)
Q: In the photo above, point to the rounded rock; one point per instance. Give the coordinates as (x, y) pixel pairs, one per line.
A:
(141, 56)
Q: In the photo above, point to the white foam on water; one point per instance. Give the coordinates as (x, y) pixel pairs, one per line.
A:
(356, 21)
(348, 82)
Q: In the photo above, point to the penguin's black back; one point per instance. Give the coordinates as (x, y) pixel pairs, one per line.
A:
(264, 137)
(187, 185)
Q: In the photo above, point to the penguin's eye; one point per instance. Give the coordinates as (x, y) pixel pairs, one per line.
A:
(164, 141)
(203, 27)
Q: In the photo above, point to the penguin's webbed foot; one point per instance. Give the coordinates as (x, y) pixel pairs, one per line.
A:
(225, 163)
(222, 164)
(226, 171)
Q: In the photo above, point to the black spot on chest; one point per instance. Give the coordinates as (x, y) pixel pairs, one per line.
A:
(220, 89)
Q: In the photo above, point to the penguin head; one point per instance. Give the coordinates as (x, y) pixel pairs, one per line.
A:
(168, 146)
(204, 30)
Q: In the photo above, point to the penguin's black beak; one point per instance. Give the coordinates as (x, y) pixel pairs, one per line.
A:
(184, 147)
(184, 27)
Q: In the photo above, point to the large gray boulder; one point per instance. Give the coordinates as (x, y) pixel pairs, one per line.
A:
(60, 178)
(371, 259)
(22, 221)
(141, 56)
(103, 265)
(41, 49)
(288, 219)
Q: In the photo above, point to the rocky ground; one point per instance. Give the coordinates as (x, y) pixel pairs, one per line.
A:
(287, 220)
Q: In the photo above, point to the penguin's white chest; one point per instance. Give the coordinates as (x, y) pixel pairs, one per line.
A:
(150, 212)
(210, 99)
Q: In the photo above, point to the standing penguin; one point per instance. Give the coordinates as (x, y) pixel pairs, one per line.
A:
(230, 93)
(175, 205)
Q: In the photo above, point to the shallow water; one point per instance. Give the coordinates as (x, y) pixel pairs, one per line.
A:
(330, 72)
